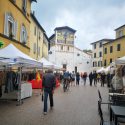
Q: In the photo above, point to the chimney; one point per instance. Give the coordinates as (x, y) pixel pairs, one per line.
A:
(33, 12)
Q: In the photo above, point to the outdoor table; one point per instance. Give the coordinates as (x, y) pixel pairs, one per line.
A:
(118, 112)
(116, 95)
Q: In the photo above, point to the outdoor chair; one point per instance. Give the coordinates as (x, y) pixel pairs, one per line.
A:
(102, 122)
(101, 101)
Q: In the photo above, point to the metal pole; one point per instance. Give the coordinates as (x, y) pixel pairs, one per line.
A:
(19, 87)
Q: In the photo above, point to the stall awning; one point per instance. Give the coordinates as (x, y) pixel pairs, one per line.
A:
(12, 55)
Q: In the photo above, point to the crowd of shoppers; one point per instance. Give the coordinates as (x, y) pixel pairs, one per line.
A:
(113, 80)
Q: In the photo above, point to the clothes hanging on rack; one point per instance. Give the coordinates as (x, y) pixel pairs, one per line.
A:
(2, 80)
(12, 81)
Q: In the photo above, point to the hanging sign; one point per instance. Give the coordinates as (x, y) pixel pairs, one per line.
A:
(1, 44)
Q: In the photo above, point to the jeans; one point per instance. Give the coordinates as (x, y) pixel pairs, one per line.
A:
(46, 93)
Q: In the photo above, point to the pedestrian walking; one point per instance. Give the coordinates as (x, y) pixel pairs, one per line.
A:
(95, 78)
(84, 77)
(72, 78)
(90, 78)
(108, 79)
(77, 78)
(102, 79)
(49, 83)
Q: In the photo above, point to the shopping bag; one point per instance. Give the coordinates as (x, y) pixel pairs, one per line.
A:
(42, 97)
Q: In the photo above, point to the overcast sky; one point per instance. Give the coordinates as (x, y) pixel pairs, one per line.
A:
(93, 19)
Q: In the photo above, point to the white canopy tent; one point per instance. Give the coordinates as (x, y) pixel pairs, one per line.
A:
(107, 69)
(57, 67)
(101, 70)
(10, 56)
(120, 61)
(46, 63)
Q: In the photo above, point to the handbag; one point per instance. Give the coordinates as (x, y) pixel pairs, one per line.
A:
(42, 97)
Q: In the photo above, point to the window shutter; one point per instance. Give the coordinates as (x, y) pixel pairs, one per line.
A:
(25, 35)
(15, 30)
(6, 24)
(21, 34)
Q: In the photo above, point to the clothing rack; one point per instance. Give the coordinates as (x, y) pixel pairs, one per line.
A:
(19, 100)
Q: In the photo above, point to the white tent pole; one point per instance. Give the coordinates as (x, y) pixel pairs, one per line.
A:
(19, 87)
(115, 78)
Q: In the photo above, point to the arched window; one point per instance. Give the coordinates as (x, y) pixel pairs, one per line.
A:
(10, 26)
(23, 35)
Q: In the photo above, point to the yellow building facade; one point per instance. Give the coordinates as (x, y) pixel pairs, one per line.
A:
(15, 24)
(116, 48)
(45, 46)
(38, 41)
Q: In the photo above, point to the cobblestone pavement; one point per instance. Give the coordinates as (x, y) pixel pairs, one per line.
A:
(75, 107)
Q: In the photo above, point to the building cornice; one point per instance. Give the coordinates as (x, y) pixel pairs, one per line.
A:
(65, 27)
(102, 40)
(114, 40)
(120, 27)
(13, 40)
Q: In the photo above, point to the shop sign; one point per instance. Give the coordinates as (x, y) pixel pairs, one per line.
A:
(1, 44)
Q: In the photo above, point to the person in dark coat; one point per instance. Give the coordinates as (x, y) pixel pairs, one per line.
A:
(84, 77)
(90, 78)
(102, 79)
(108, 79)
(77, 78)
(95, 78)
(49, 83)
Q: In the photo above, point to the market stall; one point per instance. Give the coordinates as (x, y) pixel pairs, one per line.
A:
(11, 57)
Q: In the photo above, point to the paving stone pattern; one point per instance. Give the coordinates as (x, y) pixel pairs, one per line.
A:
(75, 107)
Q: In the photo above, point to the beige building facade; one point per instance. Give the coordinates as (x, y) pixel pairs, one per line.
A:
(97, 53)
(38, 40)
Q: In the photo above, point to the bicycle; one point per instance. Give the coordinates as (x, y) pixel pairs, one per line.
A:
(66, 85)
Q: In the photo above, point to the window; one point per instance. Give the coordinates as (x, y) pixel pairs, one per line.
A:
(94, 64)
(24, 5)
(10, 26)
(111, 60)
(100, 44)
(111, 49)
(68, 48)
(94, 46)
(98, 63)
(120, 33)
(39, 51)
(100, 54)
(61, 47)
(118, 47)
(64, 66)
(94, 55)
(34, 48)
(105, 63)
(23, 35)
(39, 35)
(35, 31)
(105, 50)
(101, 63)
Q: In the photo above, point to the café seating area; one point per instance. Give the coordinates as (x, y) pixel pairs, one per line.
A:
(116, 108)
